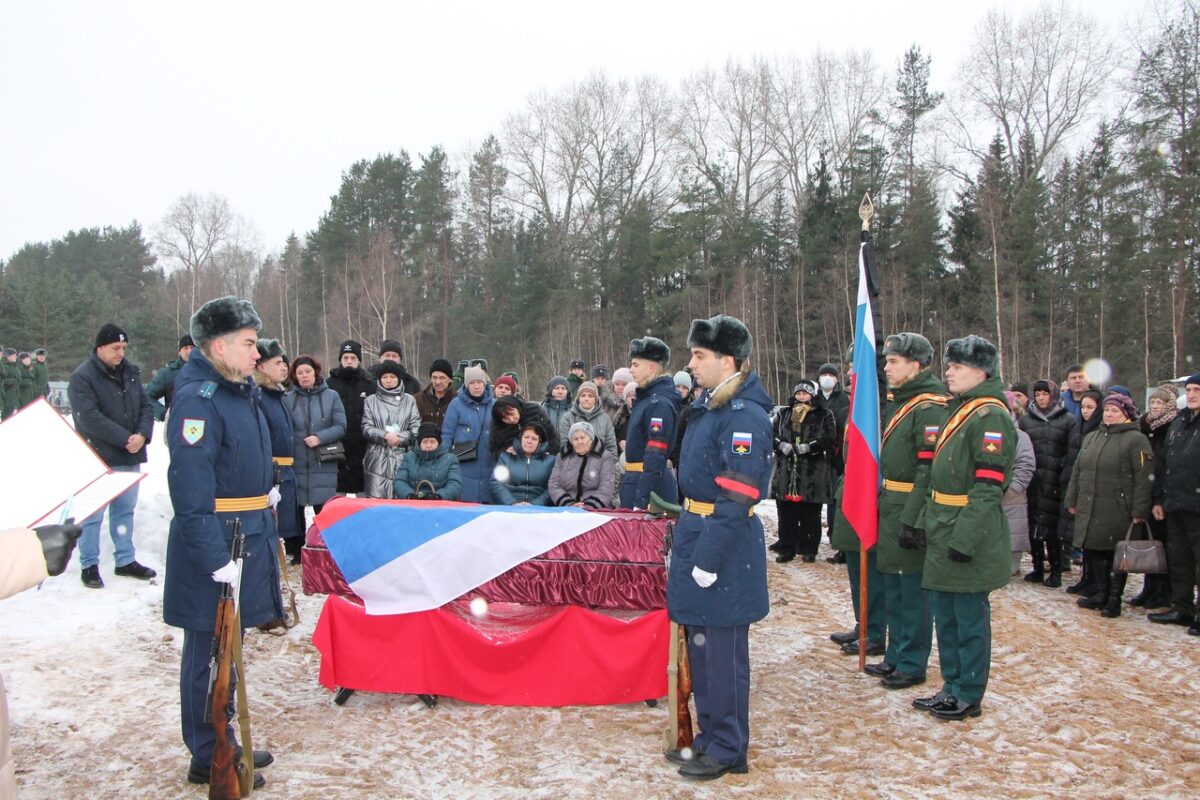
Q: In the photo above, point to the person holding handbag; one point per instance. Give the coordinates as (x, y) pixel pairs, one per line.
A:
(319, 421)
(428, 472)
(1110, 490)
(465, 434)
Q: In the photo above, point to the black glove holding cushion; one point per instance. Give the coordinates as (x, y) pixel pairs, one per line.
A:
(58, 542)
(961, 558)
(912, 538)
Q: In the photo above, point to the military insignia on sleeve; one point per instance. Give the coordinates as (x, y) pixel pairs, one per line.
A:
(742, 443)
(193, 430)
(931, 432)
(656, 424)
(207, 390)
(992, 442)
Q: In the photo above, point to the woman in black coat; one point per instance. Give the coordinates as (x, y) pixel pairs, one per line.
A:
(805, 435)
(1160, 413)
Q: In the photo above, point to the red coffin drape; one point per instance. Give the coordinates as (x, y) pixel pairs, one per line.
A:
(516, 655)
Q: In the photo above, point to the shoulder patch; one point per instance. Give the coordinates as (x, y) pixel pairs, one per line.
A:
(742, 443)
(208, 389)
(993, 442)
(193, 430)
(931, 432)
(656, 424)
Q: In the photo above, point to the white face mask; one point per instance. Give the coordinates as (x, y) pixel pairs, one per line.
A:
(827, 382)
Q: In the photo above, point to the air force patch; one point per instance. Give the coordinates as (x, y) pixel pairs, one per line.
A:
(743, 443)
(193, 430)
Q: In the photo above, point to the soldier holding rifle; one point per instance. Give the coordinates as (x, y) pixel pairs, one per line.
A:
(220, 471)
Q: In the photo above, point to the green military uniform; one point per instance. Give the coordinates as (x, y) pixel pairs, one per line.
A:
(41, 377)
(912, 421)
(842, 537)
(26, 385)
(10, 382)
(967, 533)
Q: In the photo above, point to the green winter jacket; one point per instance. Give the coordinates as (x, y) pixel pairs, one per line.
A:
(161, 387)
(41, 378)
(1111, 483)
(910, 430)
(27, 386)
(972, 466)
(10, 382)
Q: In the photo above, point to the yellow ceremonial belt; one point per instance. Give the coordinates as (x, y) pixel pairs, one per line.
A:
(943, 499)
(702, 509)
(284, 461)
(226, 505)
(897, 486)
(634, 466)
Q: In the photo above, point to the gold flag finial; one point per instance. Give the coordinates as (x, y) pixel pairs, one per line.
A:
(866, 210)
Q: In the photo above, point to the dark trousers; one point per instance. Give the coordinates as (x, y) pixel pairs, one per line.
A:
(909, 623)
(1183, 558)
(1045, 547)
(198, 735)
(799, 527)
(720, 659)
(964, 638)
(876, 597)
(831, 509)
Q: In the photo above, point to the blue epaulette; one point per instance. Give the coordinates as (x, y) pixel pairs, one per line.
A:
(208, 389)
(738, 404)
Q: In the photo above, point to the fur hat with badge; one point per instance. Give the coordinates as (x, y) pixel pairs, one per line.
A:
(912, 346)
(722, 334)
(221, 317)
(649, 348)
(973, 351)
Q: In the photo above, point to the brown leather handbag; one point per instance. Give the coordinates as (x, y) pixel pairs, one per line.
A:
(1148, 557)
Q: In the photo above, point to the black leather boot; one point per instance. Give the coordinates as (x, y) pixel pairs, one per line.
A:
(1100, 591)
(1037, 554)
(1086, 579)
(1160, 591)
(1116, 589)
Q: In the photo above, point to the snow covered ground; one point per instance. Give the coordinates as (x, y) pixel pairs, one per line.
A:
(1078, 706)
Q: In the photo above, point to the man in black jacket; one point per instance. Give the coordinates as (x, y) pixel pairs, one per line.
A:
(1177, 500)
(1055, 437)
(354, 385)
(113, 414)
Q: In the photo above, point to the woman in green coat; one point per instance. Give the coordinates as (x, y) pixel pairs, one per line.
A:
(1111, 489)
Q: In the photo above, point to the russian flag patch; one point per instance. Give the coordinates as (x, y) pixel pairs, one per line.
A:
(743, 443)
(992, 442)
(931, 432)
(656, 424)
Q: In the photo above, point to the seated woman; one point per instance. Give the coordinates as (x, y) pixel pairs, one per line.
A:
(583, 474)
(506, 425)
(428, 473)
(523, 479)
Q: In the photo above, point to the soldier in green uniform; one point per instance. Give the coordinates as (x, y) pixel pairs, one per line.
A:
(912, 420)
(41, 372)
(843, 538)
(10, 382)
(27, 384)
(967, 553)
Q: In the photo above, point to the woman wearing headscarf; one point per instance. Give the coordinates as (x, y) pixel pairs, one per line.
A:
(1110, 490)
(389, 428)
(1162, 410)
(805, 434)
(583, 473)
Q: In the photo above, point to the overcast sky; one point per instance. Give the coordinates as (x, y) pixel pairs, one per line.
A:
(110, 111)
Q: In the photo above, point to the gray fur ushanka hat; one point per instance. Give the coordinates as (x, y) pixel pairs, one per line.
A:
(268, 349)
(973, 351)
(912, 346)
(650, 349)
(722, 334)
(223, 316)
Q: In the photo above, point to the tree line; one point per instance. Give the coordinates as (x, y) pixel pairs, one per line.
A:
(1047, 199)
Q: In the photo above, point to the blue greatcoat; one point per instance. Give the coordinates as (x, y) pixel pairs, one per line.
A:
(467, 420)
(220, 446)
(279, 421)
(648, 441)
(725, 460)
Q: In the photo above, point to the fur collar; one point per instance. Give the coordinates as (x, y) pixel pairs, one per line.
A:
(726, 391)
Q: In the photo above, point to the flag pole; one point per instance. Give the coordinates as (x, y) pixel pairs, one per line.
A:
(866, 210)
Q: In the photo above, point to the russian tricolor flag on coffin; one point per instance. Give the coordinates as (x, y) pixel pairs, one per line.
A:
(407, 556)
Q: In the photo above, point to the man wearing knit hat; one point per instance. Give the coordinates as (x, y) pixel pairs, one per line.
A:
(967, 553)
(221, 471)
(717, 579)
(112, 413)
(390, 350)
(1177, 501)
(353, 385)
(161, 388)
(433, 400)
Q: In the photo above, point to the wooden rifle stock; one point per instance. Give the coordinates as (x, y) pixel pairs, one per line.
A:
(683, 693)
(224, 783)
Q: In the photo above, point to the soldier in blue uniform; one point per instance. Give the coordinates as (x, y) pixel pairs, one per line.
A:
(269, 375)
(651, 430)
(717, 580)
(220, 470)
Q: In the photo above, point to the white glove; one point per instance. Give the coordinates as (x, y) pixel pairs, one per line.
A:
(803, 449)
(785, 448)
(226, 574)
(273, 496)
(704, 579)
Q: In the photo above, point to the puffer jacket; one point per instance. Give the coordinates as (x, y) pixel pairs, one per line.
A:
(317, 411)
(600, 422)
(527, 479)
(439, 468)
(1110, 485)
(1177, 480)
(388, 410)
(1015, 498)
(586, 479)
(468, 419)
(1055, 438)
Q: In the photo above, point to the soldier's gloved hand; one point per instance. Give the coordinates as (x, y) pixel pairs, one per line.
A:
(704, 579)
(226, 574)
(58, 541)
(911, 538)
(961, 558)
(803, 449)
(785, 448)
(274, 496)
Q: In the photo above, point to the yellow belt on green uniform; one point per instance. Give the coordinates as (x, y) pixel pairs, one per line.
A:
(226, 505)
(897, 486)
(633, 466)
(702, 509)
(943, 499)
